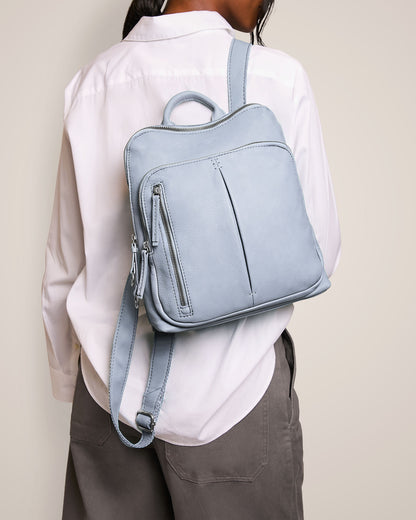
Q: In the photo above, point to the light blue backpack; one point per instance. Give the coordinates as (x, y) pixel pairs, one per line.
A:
(220, 231)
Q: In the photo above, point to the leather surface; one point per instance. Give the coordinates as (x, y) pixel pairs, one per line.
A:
(241, 231)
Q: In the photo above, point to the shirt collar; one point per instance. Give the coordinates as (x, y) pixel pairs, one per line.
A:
(173, 25)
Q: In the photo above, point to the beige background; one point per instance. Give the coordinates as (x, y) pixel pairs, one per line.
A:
(355, 343)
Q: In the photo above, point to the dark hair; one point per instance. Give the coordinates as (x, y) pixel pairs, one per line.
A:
(139, 8)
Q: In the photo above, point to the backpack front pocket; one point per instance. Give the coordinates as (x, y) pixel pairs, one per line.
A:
(224, 238)
(197, 260)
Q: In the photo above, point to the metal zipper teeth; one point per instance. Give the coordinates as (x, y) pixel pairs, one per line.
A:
(188, 128)
(172, 248)
(191, 128)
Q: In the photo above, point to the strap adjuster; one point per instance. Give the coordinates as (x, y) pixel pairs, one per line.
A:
(145, 428)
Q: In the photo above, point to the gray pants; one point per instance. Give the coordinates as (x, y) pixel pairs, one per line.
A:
(252, 472)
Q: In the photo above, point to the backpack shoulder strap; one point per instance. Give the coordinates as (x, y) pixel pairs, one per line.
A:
(122, 350)
(237, 73)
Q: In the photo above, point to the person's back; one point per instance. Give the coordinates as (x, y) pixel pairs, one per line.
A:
(218, 374)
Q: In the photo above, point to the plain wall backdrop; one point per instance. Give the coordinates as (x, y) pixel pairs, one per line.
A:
(355, 343)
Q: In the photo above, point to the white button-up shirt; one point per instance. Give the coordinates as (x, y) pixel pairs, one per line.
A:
(218, 374)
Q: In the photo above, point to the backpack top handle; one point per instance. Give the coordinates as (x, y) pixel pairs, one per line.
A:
(190, 95)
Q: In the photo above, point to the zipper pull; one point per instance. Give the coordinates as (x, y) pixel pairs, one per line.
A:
(155, 213)
(144, 265)
(134, 259)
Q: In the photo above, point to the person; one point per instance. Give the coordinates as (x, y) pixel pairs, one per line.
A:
(228, 441)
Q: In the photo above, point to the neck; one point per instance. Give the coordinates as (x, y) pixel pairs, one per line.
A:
(179, 6)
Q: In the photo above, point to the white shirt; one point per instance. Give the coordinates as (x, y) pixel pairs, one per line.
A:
(218, 374)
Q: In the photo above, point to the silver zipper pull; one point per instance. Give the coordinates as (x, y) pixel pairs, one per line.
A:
(134, 259)
(144, 267)
(155, 213)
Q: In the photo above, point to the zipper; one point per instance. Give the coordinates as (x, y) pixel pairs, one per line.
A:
(159, 210)
(134, 266)
(138, 281)
(184, 128)
(191, 128)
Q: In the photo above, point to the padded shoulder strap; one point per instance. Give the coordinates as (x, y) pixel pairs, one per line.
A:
(237, 73)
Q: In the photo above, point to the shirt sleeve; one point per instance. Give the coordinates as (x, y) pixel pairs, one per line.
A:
(64, 260)
(313, 170)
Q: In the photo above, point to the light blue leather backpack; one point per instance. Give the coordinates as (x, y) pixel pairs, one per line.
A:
(220, 231)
